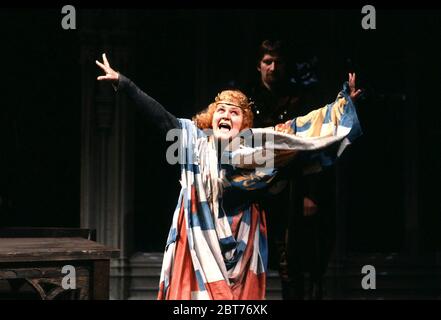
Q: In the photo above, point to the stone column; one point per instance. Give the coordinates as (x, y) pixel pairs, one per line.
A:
(107, 142)
(410, 155)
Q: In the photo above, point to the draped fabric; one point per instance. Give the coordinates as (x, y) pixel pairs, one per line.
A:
(214, 253)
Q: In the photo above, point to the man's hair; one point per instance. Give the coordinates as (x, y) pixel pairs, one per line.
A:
(272, 47)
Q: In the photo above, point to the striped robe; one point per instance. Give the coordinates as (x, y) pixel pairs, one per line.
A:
(214, 254)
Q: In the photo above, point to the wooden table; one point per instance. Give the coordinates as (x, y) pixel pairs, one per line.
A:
(31, 268)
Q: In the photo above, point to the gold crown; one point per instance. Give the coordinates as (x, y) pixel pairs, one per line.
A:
(233, 98)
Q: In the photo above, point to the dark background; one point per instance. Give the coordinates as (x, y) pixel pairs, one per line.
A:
(393, 166)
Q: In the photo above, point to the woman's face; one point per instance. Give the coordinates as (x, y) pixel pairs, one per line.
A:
(227, 121)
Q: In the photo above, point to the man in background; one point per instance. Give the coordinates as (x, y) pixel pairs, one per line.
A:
(301, 210)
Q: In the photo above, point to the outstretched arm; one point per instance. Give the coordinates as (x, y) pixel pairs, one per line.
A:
(311, 125)
(316, 123)
(152, 110)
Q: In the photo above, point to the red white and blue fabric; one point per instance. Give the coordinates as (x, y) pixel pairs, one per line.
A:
(213, 254)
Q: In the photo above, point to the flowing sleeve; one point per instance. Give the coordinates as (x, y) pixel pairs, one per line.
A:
(316, 140)
(337, 119)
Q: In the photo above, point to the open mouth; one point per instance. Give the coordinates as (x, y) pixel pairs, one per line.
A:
(224, 127)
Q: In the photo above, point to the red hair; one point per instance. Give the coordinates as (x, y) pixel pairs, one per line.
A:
(237, 98)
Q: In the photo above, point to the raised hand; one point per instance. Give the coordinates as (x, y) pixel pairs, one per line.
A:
(284, 127)
(354, 93)
(309, 207)
(111, 75)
